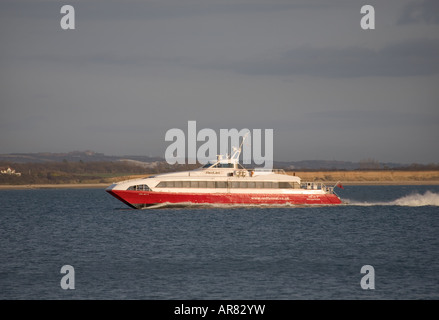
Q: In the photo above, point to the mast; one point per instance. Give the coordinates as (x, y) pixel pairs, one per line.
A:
(237, 151)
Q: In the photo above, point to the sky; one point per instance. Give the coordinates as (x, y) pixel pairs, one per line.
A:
(132, 70)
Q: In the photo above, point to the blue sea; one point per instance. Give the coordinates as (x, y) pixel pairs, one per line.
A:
(216, 253)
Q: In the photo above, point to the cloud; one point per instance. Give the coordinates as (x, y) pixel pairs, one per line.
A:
(409, 58)
(416, 12)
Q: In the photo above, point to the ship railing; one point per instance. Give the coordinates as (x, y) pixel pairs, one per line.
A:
(256, 171)
(316, 186)
(264, 170)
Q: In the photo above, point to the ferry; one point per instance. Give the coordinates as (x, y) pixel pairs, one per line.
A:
(223, 181)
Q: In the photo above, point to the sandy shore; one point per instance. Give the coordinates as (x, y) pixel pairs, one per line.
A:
(328, 177)
(370, 177)
(56, 186)
(104, 186)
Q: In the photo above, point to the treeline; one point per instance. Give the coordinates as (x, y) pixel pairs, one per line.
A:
(78, 172)
(372, 164)
(420, 167)
(58, 172)
(376, 166)
(411, 167)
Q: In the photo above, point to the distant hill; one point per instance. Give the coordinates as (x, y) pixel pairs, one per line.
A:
(84, 156)
(149, 162)
(335, 165)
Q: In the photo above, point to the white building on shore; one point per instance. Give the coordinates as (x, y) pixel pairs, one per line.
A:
(10, 172)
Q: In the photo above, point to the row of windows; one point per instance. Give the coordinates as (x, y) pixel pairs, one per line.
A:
(220, 165)
(225, 184)
(140, 187)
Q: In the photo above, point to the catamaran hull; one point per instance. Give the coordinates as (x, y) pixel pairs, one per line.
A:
(144, 199)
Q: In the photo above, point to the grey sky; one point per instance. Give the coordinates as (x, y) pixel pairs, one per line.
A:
(131, 70)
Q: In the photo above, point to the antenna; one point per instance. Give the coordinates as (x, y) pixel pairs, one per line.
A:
(236, 151)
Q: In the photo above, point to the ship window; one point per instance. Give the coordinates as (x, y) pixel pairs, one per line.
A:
(166, 184)
(186, 184)
(225, 165)
(259, 184)
(207, 165)
(252, 184)
(162, 184)
(239, 184)
(202, 184)
(220, 184)
(268, 184)
(285, 185)
(139, 187)
(293, 185)
(210, 184)
(178, 184)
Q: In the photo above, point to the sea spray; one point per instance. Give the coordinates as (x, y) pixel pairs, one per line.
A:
(417, 200)
(412, 200)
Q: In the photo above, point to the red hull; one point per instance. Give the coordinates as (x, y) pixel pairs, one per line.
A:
(142, 199)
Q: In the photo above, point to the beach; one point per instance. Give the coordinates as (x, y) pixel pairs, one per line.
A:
(371, 177)
(55, 186)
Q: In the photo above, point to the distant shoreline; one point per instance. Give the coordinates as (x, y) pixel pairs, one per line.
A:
(105, 185)
(55, 186)
(329, 178)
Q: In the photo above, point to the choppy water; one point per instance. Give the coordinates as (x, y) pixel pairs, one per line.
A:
(218, 252)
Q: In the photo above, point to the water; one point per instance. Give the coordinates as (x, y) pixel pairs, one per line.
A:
(270, 253)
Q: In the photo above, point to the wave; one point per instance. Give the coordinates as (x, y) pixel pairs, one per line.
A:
(413, 200)
(192, 205)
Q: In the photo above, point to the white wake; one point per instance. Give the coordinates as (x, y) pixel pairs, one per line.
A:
(167, 205)
(413, 200)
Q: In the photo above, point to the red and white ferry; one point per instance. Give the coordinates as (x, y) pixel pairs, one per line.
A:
(223, 181)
